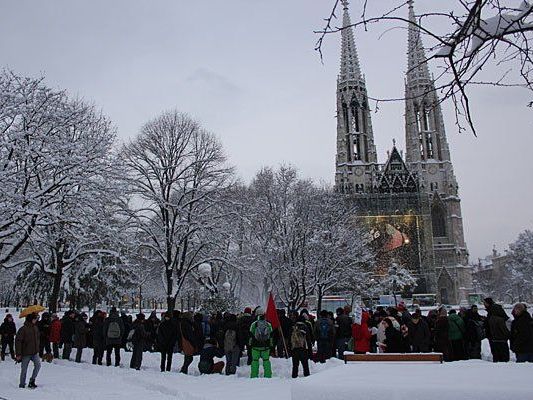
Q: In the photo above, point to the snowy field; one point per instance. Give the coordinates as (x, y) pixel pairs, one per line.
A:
(466, 380)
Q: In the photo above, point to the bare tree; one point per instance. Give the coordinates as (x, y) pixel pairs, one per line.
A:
(176, 173)
(479, 35)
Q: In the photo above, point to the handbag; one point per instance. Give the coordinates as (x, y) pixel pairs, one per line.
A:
(186, 346)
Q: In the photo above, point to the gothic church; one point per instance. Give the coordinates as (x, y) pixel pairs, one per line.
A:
(411, 207)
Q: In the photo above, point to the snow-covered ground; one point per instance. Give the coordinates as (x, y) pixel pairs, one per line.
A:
(469, 380)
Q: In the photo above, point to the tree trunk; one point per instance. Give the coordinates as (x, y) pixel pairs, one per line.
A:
(171, 303)
(54, 296)
(319, 296)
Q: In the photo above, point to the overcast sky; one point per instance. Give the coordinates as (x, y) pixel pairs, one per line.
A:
(247, 70)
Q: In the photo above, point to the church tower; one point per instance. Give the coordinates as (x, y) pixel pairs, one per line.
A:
(428, 154)
(356, 151)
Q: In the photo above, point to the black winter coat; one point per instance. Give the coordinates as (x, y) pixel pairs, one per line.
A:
(67, 330)
(495, 326)
(393, 340)
(97, 330)
(344, 326)
(208, 353)
(522, 334)
(419, 336)
(167, 335)
(243, 329)
(140, 334)
(114, 317)
(8, 330)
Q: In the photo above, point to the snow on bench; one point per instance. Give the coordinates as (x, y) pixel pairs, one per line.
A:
(427, 357)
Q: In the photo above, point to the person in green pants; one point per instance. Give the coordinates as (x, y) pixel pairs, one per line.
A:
(260, 343)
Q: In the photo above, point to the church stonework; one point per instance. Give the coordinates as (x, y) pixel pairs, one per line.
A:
(416, 200)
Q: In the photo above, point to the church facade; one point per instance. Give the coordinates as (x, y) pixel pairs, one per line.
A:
(410, 205)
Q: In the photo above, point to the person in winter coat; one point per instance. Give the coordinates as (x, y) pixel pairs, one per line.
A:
(97, 328)
(393, 337)
(27, 349)
(261, 343)
(198, 327)
(325, 334)
(186, 340)
(67, 333)
(113, 333)
(127, 321)
(80, 335)
(8, 331)
(282, 346)
(55, 334)
(138, 340)
(343, 331)
(496, 330)
(167, 335)
(207, 365)
(44, 340)
(441, 334)
(456, 332)
(474, 333)
(299, 353)
(231, 345)
(362, 335)
(151, 326)
(419, 334)
(244, 322)
(522, 334)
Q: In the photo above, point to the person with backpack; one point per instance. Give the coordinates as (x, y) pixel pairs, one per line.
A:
(496, 330)
(80, 335)
(167, 335)
(138, 336)
(299, 351)
(67, 333)
(231, 345)
(324, 333)
(27, 349)
(474, 333)
(343, 331)
(55, 334)
(456, 334)
(113, 333)
(207, 365)
(8, 330)
(261, 343)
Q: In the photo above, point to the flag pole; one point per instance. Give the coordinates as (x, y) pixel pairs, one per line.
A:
(283, 340)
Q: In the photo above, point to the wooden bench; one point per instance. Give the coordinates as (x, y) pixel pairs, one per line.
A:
(427, 357)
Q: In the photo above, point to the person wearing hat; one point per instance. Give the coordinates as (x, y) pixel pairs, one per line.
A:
(261, 343)
(244, 322)
(27, 349)
(496, 330)
(8, 331)
(138, 340)
(80, 335)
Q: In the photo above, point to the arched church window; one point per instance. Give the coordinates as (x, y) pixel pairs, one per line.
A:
(438, 220)
(417, 117)
(357, 148)
(425, 121)
(429, 144)
(355, 116)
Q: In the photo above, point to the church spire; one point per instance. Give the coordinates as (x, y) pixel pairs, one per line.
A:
(417, 67)
(350, 69)
(425, 136)
(355, 139)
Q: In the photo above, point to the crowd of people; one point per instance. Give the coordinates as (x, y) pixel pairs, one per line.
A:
(457, 334)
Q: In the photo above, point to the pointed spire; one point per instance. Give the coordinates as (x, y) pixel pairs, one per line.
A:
(350, 69)
(417, 67)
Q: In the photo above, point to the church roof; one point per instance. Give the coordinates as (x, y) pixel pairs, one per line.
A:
(396, 176)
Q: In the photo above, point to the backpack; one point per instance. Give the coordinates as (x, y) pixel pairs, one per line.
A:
(131, 335)
(323, 329)
(230, 340)
(113, 330)
(262, 334)
(298, 338)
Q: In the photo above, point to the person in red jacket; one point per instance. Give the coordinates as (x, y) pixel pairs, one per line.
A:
(55, 334)
(361, 335)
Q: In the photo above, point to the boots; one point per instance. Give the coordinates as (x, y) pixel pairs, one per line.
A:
(32, 384)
